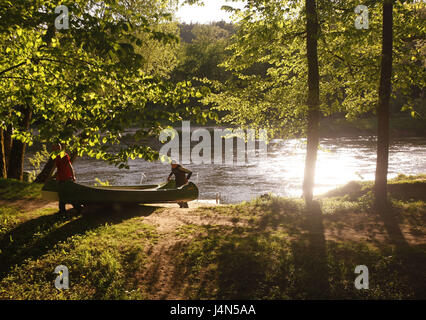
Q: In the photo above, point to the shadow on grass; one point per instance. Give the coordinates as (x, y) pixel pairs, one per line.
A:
(34, 238)
(413, 258)
(312, 259)
(256, 262)
(229, 264)
(309, 252)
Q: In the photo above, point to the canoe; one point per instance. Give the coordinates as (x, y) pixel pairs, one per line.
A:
(71, 192)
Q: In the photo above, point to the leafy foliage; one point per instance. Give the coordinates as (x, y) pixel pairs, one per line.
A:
(88, 83)
(268, 63)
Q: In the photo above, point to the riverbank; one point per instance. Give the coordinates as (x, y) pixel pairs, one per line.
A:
(400, 126)
(337, 126)
(268, 248)
(339, 161)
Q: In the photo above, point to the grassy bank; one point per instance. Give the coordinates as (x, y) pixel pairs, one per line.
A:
(269, 248)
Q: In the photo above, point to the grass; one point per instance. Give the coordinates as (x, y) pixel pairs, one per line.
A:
(268, 248)
(11, 189)
(242, 264)
(402, 187)
(282, 254)
(103, 256)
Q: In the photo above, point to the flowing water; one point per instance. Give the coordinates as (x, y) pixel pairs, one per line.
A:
(340, 160)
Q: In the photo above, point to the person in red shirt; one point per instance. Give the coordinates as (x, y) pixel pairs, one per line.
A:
(64, 172)
(64, 169)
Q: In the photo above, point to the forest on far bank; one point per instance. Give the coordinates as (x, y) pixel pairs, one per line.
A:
(204, 48)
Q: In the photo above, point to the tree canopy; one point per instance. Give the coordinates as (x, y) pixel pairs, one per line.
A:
(87, 84)
(268, 63)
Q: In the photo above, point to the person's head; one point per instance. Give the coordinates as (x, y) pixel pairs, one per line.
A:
(56, 147)
(174, 163)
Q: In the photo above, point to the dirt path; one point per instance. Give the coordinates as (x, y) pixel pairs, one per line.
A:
(161, 278)
(170, 219)
(29, 205)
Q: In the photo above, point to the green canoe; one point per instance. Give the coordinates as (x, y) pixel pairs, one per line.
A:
(70, 192)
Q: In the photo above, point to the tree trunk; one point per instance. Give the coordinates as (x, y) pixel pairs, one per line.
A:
(47, 172)
(3, 168)
(17, 152)
(16, 164)
(313, 99)
(7, 135)
(380, 187)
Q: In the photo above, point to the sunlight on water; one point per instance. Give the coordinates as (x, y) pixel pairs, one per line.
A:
(339, 161)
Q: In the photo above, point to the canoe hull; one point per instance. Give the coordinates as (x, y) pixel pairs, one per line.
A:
(70, 192)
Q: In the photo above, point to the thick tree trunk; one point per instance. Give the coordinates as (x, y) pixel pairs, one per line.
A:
(3, 168)
(313, 99)
(17, 153)
(16, 164)
(380, 187)
(47, 172)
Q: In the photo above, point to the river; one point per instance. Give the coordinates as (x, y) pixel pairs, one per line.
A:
(340, 160)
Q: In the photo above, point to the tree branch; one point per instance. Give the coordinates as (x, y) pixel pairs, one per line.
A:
(13, 67)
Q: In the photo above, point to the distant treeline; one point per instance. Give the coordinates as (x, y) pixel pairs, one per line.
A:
(186, 34)
(204, 48)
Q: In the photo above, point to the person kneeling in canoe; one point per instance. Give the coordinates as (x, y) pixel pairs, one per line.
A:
(180, 177)
(64, 173)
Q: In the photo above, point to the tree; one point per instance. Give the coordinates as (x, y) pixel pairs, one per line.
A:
(270, 85)
(89, 81)
(312, 34)
(201, 57)
(380, 55)
(15, 169)
(276, 65)
(3, 167)
(380, 186)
